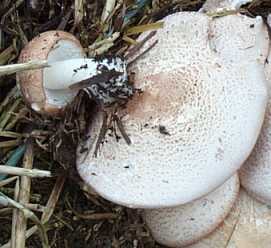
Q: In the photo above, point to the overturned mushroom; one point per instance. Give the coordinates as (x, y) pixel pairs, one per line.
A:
(186, 224)
(197, 119)
(49, 90)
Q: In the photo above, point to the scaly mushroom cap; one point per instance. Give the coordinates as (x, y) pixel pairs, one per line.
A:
(222, 234)
(186, 224)
(255, 174)
(247, 226)
(196, 121)
(52, 46)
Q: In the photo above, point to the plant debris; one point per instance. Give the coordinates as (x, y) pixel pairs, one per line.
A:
(62, 209)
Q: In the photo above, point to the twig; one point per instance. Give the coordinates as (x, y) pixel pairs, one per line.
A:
(30, 215)
(78, 11)
(13, 158)
(15, 214)
(102, 134)
(108, 8)
(7, 181)
(9, 134)
(96, 216)
(144, 28)
(24, 196)
(10, 170)
(122, 129)
(143, 53)
(10, 143)
(3, 18)
(35, 207)
(32, 65)
(53, 199)
(8, 191)
(132, 52)
(13, 94)
(49, 209)
(22, 112)
(100, 47)
(6, 55)
(6, 116)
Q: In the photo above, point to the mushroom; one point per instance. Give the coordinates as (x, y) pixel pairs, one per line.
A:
(197, 119)
(186, 224)
(222, 234)
(49, 90)
(247, 226)
(256, 172)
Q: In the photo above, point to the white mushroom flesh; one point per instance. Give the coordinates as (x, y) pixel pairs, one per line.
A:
(63, 50)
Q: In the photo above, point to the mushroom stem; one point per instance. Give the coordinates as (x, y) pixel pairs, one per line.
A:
(63, 74)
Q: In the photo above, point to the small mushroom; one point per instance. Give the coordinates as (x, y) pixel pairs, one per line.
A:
(186, 224)
(49, 90)
(197, 119)
(255, 174)
(247, 226)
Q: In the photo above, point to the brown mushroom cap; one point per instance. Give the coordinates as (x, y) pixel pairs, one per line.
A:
(52, 46)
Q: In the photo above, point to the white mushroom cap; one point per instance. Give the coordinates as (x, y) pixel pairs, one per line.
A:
(51, 46)
(247, 226)
(211, 107)
(223, 5)
(242, 41)
(186, 224)
(255, 174)
(222, 234)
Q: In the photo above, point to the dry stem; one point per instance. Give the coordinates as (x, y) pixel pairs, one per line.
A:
(24, 196)
(10, 170)
(108, 8)
(15, 214)
(49, 209)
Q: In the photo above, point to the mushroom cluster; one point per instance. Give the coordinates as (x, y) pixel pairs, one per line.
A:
(205, 84)
(195, 124)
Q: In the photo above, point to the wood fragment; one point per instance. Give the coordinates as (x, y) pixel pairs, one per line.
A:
(78, 11)
(96, 216)
(24, 196)
(10, 170)
(15, 214)
(7, 181)
(108, 8)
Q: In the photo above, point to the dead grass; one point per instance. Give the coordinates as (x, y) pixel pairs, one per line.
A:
(61, 209)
